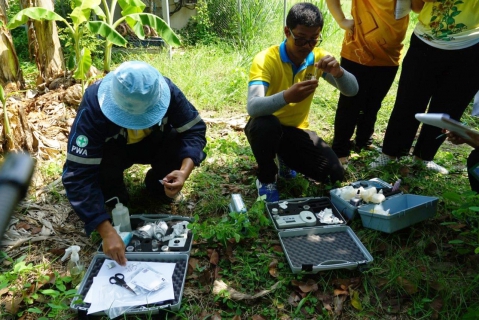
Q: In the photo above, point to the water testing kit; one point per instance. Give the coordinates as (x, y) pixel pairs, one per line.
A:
(397, 210)
(315, 237)
(144, 246)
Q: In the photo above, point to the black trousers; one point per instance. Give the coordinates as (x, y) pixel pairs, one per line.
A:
(301, 150)
(360, 112)
(447, 80)
(159, 149)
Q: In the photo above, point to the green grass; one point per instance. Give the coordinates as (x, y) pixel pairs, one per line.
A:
(427, 271)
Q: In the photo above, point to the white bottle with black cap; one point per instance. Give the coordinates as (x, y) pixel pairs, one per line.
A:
(356, 201)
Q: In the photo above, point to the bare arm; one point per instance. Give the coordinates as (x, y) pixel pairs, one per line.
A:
(334, 7)
(416, 5)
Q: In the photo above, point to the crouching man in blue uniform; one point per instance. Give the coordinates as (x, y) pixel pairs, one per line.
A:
(133, 115)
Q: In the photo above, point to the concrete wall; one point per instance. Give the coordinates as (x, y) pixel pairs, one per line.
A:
(178, 20)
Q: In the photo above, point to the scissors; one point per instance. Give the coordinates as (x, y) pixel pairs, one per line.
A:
(119, 280)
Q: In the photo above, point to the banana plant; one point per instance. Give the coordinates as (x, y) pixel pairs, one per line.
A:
(80, 17)
(6, 124)
(132, 13)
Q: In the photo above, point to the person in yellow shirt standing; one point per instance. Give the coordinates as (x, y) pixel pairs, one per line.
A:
(282, 82)
(371, 51)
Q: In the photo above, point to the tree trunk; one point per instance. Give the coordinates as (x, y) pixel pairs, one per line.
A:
(44, 43)
(10, 74)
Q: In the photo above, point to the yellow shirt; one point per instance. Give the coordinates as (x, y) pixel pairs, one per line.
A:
(135, 136)
(377, 38)
(448, 24)
(273, 69)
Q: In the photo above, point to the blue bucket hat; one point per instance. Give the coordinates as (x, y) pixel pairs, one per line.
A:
(134, 96)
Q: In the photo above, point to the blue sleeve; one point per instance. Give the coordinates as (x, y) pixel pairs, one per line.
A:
(81, 170)
(186, 120)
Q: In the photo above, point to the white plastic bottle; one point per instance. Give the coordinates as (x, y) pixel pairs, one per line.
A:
(75, 267)
(121, 216)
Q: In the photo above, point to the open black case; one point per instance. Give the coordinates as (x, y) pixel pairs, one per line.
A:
(315, 237)
(177, 252)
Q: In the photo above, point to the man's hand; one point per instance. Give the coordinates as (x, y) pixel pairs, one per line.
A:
(175, 180)
(330, 65)
(453, 137)
(113, 246)
(300, 91)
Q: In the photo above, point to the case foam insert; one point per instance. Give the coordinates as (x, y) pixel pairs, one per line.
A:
(314, 249)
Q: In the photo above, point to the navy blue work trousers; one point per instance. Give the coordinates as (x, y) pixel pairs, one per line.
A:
(159, 150)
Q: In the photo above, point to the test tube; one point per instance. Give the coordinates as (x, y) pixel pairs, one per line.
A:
(137, 244)
(154, 245)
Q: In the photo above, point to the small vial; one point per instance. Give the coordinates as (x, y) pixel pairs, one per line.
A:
(154, 245)
(137, 244)
(130, 248)
(165, 248)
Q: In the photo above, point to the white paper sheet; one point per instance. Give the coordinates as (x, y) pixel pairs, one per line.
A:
(102, 295)
(443, 121)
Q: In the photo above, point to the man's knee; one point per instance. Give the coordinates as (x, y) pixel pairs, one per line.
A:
(263, 125)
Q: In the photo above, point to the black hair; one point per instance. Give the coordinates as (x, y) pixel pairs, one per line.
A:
(305, 14)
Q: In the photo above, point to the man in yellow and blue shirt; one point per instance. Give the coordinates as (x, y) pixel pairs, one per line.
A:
(282, 83)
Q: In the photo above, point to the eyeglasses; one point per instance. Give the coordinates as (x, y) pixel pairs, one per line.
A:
(300, 42)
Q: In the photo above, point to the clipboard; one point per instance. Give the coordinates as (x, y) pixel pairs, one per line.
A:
(443, 121)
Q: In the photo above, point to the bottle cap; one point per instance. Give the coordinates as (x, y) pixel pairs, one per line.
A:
(73, 251)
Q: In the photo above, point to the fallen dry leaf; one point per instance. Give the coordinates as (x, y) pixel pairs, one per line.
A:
(35, 230)
(294, 298)
(338, 292)
(216, 316)
(326, 299)
(219, 287)
(277, 248)
(214, 258)
(436, 306)
(192, 265)
(309, 286)
(13, 305)
(257, 317)
(436, 285)
(408, 286)
(229, 253)
(23, 225)
(273, 271)
(338, 302)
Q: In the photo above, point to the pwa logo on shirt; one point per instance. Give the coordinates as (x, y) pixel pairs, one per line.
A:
(81, 142)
